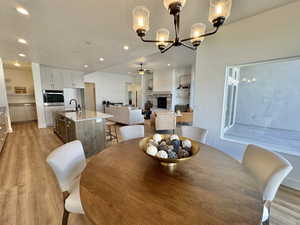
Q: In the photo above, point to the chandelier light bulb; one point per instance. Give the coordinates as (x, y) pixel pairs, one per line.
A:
(162, 35)
(141, 22)
(197, 30)
(219, 9)
(141, 19)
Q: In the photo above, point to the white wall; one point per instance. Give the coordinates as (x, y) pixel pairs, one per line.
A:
(163, 80)
(39, 102)
(109, 87)
(273, 34)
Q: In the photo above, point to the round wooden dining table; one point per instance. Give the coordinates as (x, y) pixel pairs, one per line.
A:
(123, 186)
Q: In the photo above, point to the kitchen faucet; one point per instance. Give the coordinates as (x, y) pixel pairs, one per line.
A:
(76, 104)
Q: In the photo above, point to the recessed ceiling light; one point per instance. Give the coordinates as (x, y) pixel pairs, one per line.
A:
(125, 47)
(101, 59)
(22, 55)
(21, 40)
(85, 66)
(17, 64)
(22, 10)
(169, 64)
(129, 72)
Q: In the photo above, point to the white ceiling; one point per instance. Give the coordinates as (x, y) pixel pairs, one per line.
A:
(70, 34)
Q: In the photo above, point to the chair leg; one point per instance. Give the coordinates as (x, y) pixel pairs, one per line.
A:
(267, 222)
(66, 213)
(116, 133)
(65, 217)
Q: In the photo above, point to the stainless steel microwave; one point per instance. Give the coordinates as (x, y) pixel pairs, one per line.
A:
(53, 97)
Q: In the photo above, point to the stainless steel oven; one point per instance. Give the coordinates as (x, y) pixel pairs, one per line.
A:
(53, 97)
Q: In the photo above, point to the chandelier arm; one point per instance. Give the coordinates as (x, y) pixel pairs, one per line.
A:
(155, 41)
(167, 48)
(203, 35)
(187, 46)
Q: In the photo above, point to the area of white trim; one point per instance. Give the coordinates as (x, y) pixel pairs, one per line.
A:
(262, 145)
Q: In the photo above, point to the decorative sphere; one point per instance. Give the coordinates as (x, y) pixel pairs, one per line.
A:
(176, 145)
(152, 150)
(172, 155)
(163, 147)
(188, 150)
(186, 144)
(157, 138)
(162, 154)
(174, 137)
(152, 142)
(183, 153)
(171, 147)
(163, 142)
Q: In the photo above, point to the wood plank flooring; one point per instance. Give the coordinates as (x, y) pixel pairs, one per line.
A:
(29, 193)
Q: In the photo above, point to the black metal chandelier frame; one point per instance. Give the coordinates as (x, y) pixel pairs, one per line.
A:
(175, 9)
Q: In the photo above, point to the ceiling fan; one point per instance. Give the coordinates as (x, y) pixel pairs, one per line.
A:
(142, 71)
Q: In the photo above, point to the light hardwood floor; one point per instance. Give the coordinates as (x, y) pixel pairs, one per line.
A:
(29, 193)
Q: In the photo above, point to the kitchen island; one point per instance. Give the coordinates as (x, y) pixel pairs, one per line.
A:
(85, 126)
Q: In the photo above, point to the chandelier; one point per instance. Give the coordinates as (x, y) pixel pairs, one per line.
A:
(218, 13)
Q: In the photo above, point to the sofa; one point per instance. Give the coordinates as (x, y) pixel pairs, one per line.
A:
(125, 115)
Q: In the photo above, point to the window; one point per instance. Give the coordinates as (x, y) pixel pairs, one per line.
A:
(262, 105)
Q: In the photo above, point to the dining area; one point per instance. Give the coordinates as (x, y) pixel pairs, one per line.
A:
(126, 183)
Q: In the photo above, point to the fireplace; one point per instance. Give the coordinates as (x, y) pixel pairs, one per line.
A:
(162, 102)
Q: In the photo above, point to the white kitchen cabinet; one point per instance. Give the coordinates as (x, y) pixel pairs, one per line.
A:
(47, 78)
(77, 78)
(68, 82)
(73, 79)
(58, 79)
(30, 112)
(22, 112)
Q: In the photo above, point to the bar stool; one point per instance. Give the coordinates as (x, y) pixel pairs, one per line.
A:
(111, 126)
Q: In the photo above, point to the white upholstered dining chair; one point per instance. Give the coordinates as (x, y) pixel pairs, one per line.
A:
(269, 169)
(132, 132)
(194, 133)
(68, 161)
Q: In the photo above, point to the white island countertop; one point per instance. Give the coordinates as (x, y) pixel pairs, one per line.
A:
(85, 115)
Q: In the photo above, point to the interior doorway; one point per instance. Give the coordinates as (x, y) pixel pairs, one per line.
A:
(20, 92)
(90, 96)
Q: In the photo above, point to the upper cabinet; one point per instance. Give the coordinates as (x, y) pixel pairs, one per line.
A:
(46, 78)
(73, 79)
(58, 79)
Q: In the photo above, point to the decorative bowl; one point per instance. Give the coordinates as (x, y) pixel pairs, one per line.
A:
(143, 144)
